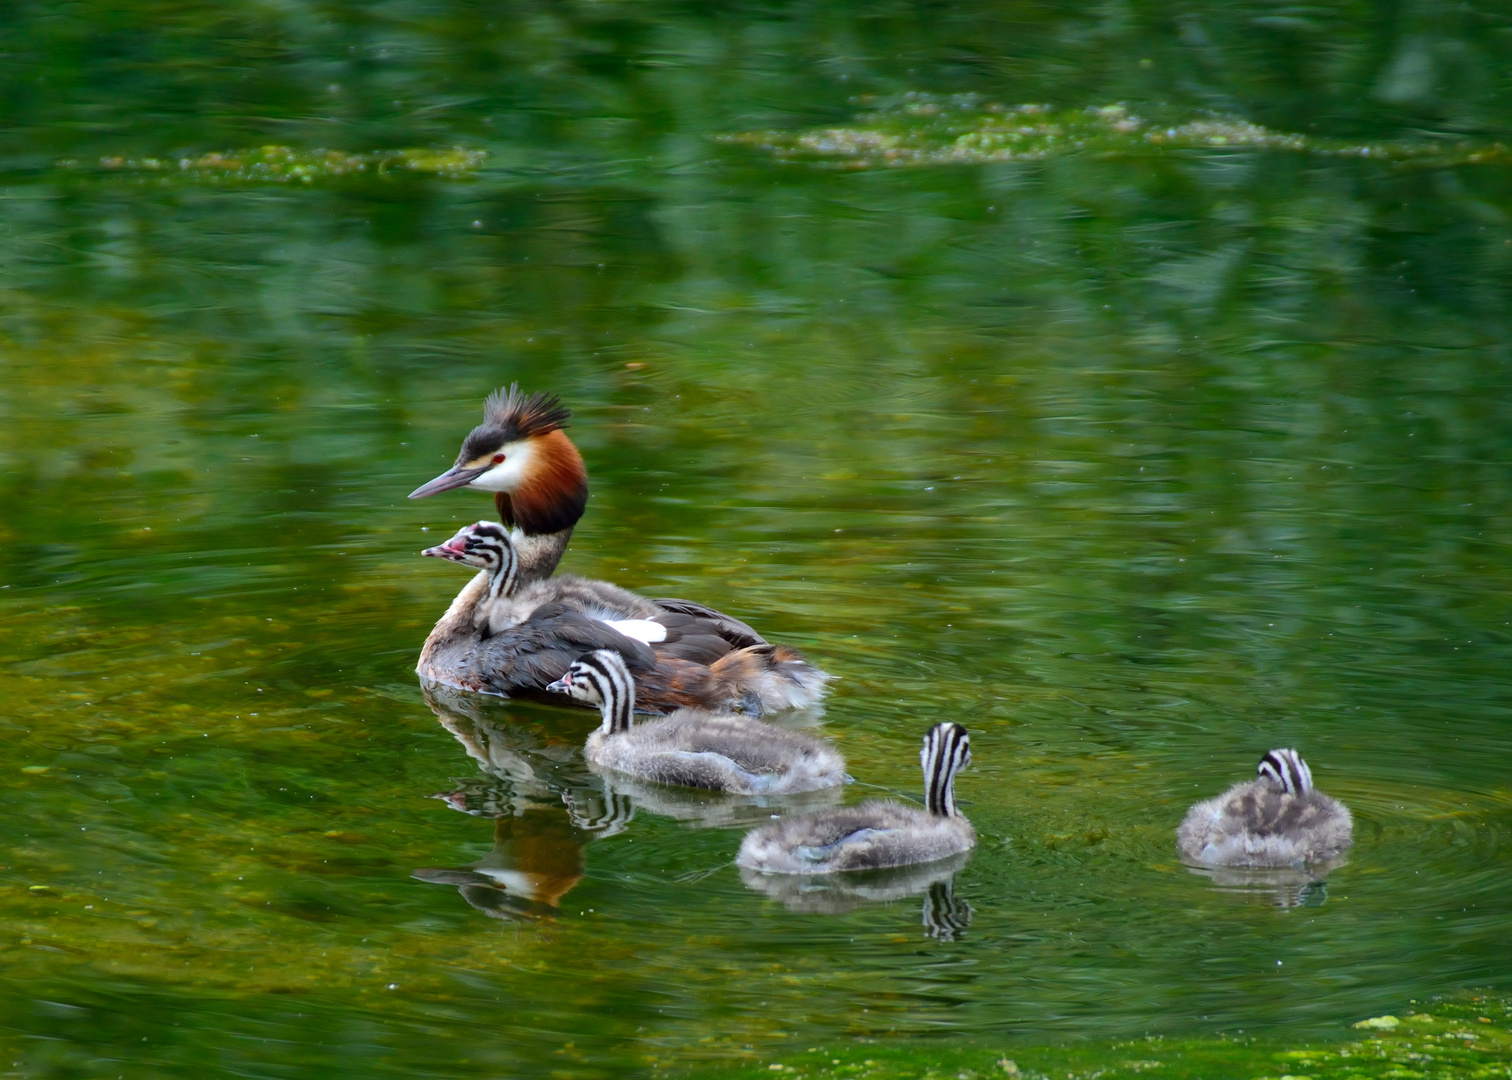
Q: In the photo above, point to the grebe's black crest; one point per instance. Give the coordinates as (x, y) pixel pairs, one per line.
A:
(509, 416)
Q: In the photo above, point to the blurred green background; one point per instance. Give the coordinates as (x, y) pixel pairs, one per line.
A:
(1136, 464)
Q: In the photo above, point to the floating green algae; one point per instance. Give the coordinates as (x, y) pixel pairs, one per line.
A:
(1466, 1037)
(288, 165)
(964, 129)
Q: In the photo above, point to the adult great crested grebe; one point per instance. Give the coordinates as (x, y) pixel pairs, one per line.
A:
(521, 454)
(1277, 819)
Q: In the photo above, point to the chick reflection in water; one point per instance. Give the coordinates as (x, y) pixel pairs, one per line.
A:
(1286, 887)
(546, 809)
(945, 916)
(706, 809)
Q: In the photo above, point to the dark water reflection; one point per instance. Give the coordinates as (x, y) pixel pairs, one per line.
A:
(1135, 467)
(1290, 887)
(544, 809)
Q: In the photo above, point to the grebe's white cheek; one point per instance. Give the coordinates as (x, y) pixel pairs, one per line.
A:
(510, 473)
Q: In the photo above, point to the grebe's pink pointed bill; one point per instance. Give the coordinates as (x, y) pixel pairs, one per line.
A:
(453, 549)
(562, 685)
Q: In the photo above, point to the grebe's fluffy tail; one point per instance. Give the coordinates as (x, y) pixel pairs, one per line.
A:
(777, 675)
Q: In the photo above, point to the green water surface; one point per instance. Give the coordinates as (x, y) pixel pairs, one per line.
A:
(1137, 461)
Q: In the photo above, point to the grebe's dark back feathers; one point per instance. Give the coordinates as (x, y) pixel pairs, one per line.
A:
(737, 633)
(539, 650)
(558, 621)
(497, 635)
(690, 638)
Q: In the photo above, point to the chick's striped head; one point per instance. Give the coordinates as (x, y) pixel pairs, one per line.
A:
(1284, 770)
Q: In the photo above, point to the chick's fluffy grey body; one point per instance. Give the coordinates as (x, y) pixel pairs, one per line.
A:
(871, 835)
(876, 834)
(721, 752)
(1253, 824)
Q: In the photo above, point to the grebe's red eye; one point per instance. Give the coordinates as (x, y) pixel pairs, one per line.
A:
(498, 458)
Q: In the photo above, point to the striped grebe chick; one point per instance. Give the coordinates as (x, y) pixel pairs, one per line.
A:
(878, 833)
(694, 747)
(1276, 819)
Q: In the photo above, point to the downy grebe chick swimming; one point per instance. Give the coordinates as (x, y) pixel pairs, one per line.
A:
(875, 834)
(540, 486)
(694, 747)
(507, 639)
(1277, 819)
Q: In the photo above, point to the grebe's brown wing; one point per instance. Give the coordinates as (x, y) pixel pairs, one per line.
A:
(690, 638)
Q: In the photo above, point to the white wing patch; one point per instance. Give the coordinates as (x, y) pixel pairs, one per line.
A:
(640, 629)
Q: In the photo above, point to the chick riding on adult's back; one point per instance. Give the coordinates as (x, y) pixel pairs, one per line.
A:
(521, 455)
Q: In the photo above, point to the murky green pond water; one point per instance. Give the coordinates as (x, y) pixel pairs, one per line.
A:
(1137, 463)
